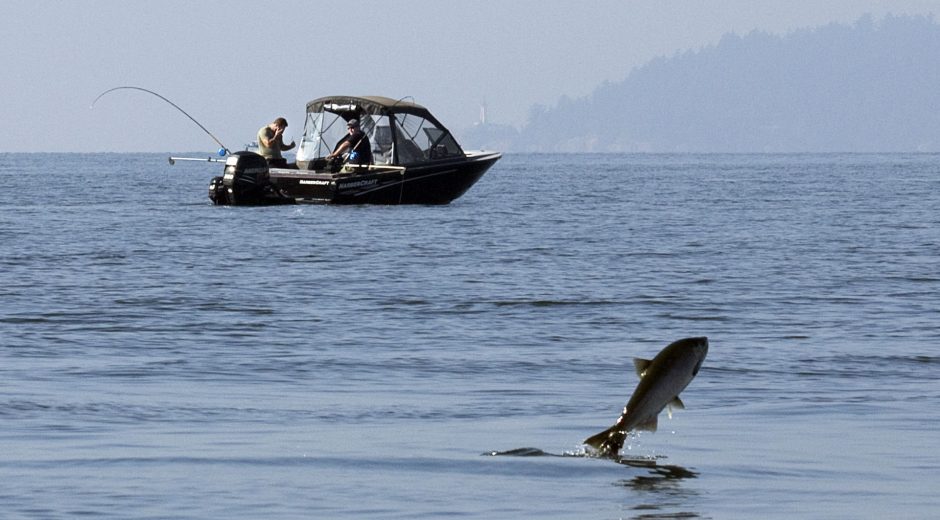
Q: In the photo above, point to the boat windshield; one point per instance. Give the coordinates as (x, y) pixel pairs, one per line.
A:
(420, 140)
(398, 140)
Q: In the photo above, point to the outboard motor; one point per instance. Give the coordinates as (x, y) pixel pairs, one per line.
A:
(244, 181)
(217, 192)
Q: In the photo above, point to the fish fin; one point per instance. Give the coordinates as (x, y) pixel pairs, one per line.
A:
(650, 425)
(641, 365)
(609, 441)
(675, 403)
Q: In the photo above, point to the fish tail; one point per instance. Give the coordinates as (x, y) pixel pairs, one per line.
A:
(609, 441)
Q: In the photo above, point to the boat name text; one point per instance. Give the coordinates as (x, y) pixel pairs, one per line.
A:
(359, 184)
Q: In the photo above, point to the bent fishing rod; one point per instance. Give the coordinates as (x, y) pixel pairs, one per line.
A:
(222, 152)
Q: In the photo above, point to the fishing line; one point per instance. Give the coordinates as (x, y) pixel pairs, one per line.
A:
(224, 149)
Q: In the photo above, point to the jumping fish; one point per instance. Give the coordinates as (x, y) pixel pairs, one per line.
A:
(661, 381)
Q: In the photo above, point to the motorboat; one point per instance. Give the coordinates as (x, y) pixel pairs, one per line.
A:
(415, 160)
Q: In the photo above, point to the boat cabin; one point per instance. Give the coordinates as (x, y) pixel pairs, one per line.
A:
(401, 133)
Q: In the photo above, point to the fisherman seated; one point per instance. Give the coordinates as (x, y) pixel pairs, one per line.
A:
(356, 144)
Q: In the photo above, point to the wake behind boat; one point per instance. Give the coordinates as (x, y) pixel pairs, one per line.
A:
(415, 160)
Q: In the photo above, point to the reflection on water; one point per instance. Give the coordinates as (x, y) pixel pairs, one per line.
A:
(660, 485)
(662, 471)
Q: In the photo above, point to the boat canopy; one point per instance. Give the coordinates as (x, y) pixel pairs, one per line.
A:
(401, 132)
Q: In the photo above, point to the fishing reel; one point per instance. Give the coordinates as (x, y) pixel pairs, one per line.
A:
(335, 164)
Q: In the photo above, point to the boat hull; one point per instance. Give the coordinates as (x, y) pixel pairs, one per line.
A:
(437, 183)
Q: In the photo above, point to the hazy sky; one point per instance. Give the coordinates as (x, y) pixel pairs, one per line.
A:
(235, 66)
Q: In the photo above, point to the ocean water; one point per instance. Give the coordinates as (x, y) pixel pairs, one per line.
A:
(164, 358)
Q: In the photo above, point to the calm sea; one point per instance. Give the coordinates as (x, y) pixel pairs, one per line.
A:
(163, 358)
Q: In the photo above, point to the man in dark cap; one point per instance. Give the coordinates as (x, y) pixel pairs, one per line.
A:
(356, 142)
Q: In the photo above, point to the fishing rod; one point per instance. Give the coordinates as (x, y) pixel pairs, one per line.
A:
(224, 151)
(196, 159)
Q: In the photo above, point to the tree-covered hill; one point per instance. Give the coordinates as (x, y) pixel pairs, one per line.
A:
(871, 86)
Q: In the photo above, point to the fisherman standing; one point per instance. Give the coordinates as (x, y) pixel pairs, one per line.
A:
(271, 143)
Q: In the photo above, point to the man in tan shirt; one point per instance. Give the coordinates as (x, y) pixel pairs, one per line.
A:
(271, 143)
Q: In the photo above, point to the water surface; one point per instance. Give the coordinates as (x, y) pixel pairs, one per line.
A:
(164, 358)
